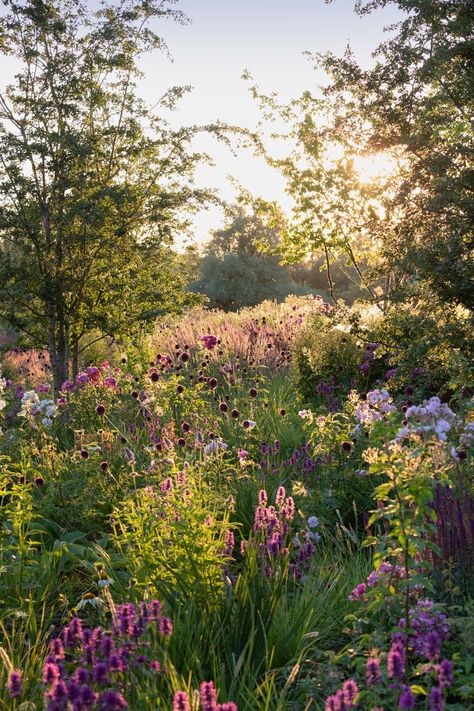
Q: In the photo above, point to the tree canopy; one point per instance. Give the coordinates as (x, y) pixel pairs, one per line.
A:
(93, 183)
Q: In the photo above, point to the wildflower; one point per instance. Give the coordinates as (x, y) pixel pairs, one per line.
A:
(223, 407)
(282, 411)
(445, 676)
(432, 644)
(350, 691)
(372, 669)
(359, 592)
(154, 376)
(39, 481)
(304, 413)
(181, 701)
(112, 701)
(100, 409)
(347, 446)
(14, 685)
(235, 414)
(208, 696)
(99, 673)
(51, 673)
(407, 699)
(396, 663)
(104, 466)
(242, 454)
(435, 699)
(253, 392)
(313, 522)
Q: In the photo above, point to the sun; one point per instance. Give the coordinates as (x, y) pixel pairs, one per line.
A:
(374, 167)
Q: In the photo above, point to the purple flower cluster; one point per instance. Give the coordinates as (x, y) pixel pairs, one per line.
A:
(271, 535)
(208, 698)
(344, 699)
(429, 630)
(86, 668)
(386, 575)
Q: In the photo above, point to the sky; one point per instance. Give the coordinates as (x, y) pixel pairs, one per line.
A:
(268, 38)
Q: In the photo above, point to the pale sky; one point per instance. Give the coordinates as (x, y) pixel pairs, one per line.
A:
(267, 37)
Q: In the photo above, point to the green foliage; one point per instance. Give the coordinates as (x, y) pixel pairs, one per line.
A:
(418, 99)
(173, 540)
(93, 185)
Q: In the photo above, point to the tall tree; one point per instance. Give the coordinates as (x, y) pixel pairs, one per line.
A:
(418, 99)
(93, 183)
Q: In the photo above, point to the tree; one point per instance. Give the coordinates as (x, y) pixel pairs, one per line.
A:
(240, 266)
(418, 100)
(92, 182)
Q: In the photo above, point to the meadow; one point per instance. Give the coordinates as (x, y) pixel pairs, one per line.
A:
(269, 509)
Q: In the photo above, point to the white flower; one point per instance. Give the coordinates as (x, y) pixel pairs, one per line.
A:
(304, 413)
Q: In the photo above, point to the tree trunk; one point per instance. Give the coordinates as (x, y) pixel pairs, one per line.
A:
(58, 351)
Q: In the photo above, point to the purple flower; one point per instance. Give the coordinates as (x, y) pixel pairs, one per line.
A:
(99, 673)
(359, 592)
(372, 668)
(82, 675)
(350, 691)
(58, 691)
(396, 662)
(88, 696)
(14, 685)
(432, 645)
(435, 699)
(208, 696)
(51, 673)
(112, 701)
(407, 699)
(445, 676)
(181, 701)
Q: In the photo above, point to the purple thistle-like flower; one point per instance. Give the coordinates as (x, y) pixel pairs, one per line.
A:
(181, 701)
(372, 668)
(15, 685)
(435, 699)
(395, 662)
(445, 676)
(407, 699)
(112, 701)
(51, 673)
(208, 696)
